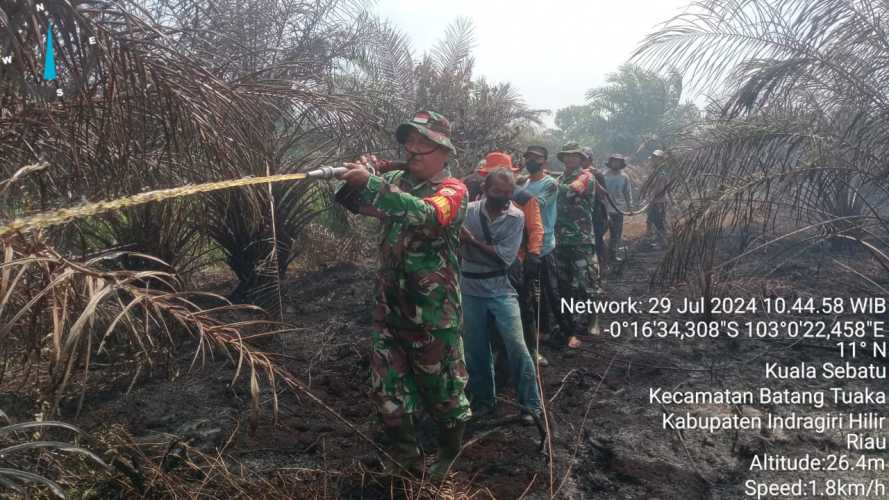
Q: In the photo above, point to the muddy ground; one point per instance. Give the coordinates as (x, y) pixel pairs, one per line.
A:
(608, 439)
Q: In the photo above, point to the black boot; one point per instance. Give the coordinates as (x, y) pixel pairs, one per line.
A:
(450, 442)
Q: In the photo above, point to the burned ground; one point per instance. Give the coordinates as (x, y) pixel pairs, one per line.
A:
(608, 441)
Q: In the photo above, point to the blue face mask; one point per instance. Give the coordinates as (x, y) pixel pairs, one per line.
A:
(533, 166)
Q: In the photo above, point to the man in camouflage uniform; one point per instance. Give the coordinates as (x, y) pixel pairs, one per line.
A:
(417, 359)
(578, 267)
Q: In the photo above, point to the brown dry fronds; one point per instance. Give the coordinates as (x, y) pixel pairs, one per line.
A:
(57, 312)
(797, 145)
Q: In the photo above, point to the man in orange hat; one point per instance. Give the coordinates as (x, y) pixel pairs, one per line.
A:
(491, 237)
(529, 258)
(533, 237)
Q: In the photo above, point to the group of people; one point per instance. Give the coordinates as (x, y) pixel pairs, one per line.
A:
(469, 265)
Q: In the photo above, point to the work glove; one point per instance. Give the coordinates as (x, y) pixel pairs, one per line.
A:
(532, 265)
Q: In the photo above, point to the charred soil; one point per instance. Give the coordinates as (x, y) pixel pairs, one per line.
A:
(608, 440)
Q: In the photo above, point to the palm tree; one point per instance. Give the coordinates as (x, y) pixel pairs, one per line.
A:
(483, 116)
(794, 143)
(174, 93)
(634, 113)
(189, 92)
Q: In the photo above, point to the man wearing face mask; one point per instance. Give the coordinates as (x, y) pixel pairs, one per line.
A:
(546, 190)
(491, 236)
(576, 248)
(417, 357)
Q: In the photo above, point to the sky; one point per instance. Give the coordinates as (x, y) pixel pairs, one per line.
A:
(552, 51)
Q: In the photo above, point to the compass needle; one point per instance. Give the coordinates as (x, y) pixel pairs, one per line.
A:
(50, 52)
(49, 61)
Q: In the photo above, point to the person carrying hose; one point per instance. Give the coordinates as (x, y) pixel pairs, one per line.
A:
(578, 266)
(417, 359)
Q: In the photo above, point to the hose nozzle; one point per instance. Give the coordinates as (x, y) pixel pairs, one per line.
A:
(325, 172)
(328, 172)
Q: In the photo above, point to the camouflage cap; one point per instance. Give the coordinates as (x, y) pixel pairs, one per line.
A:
(588, 152)
(431, 125)
(570, 148)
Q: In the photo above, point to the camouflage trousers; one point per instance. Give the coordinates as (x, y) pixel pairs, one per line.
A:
(414, 369)
(578, 271)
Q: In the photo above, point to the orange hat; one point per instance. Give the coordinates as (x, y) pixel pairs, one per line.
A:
(497, 160)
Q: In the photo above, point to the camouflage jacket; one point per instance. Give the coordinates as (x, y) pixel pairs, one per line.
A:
(418, 283)
(577, 200)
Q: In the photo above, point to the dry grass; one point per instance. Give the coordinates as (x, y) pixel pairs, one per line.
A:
(167, 467)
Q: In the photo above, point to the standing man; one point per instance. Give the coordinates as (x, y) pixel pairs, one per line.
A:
(528, 260)
(575, 244)
(545, 189)
(491, 238)
(658, 186)
(619, 190)
(600, 213)
(417, 358)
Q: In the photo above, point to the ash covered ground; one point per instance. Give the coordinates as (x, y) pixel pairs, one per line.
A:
(608, 440)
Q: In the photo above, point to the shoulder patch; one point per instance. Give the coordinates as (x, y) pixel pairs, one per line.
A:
(447, 200)
(582, 182)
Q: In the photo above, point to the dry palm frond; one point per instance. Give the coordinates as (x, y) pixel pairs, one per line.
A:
(483, 116)
(798, 143)
(89, 308)
(13, 476)
(185, 93)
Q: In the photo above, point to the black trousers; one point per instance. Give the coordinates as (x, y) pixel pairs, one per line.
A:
(600, 226)
(550, 303)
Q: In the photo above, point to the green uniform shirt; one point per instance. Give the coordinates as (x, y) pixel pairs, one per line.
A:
(577, 200)
(418, 286)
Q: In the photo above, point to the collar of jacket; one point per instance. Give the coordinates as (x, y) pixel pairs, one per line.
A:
(435, 180)
(570, 176)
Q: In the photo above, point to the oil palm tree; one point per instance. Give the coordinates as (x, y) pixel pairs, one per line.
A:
(794, 144)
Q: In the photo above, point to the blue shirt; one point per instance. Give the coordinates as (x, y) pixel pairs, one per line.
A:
(506, 237)
(618, 185)
(546, 190)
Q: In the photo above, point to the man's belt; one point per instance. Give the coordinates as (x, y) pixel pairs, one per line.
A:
(489, 274)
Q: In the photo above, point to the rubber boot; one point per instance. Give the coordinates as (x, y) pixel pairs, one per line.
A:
(450, 441)
(403, 445)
